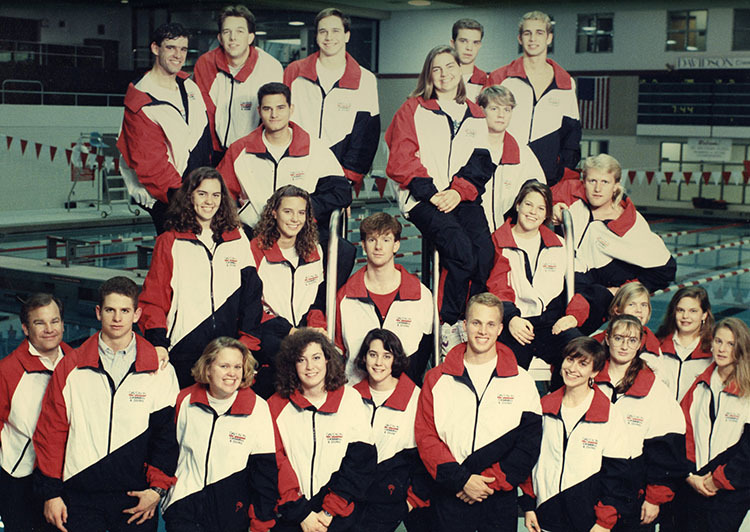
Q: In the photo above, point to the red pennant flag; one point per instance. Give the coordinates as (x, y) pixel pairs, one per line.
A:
(84, 157)
(100, 161)
(68, 153)
(117, 164)
(706, 176)
(381, 182)
(631, 175)
(9, 140)
(745, 177)
(650, 176)
(52, 153)
(38, 148)
(746, 163)
(23, 146)
(725, 176)
(687, 176)
(667, 176)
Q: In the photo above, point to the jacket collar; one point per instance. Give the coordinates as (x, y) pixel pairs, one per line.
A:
(410, 288)
(31, 363)
(135, 99)
(454, 361)
(598, 411)
(503, 236)
(697, 354)
(299, 147)
(562, 78)
(243, 404)
(274, 254)
(400, 397)
(432, 104)
(640, 387)
(247, 69)
(227, 236)
(350, 79)
(331, 406)
(478, 76)
(511, 151)
(705, 378)
(146, 359)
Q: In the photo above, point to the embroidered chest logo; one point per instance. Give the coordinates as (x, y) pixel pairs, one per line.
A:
(191, 96)
(732, 417)
(589, 443)
(601, 242)
(311, 279)
(505, 399)
(230, 262)
(634, 420)
(297, 175)
(471, 132)
(390, 429)
(237, 438)
(549, 267)
(137, 397)
(334, 437)
(403, 321)
(343, 107)
(246, 106)
(554, 102)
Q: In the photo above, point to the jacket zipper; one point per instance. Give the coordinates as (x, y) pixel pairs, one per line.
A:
(564, 453)
(476, 411)
(229, 116)
(322, 106)
(208, 450)
(312, 461)
(23, 452)
(211, 281)
(291, 298)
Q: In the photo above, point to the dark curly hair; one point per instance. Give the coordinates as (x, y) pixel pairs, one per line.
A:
(268, 232)
(287, 380)
(181, 212)
(391, 343)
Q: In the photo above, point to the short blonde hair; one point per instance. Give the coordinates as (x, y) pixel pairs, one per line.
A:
(496, 93)
(535, 15)
(608, 164)
(625, 294)
(212, 350)
(486, 299)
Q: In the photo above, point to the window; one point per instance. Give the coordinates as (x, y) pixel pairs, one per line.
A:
(741, 37)
(589, 148)
(686, 30)
(595, 33)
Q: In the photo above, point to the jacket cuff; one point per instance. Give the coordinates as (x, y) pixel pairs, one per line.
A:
(721, 480)
(316, 318)
(500, 483)
(422, 188)
(337, 505)
(606, 516)
(158, 479)
(578, 308)
(46, 487)
(465, 189)
(415, 501)
(658, 495)
(256, 525)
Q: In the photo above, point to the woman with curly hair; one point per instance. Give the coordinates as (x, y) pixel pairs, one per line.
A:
(227, 454)
(401, 482)
(202, 282)
(325, 432)
(288, 259)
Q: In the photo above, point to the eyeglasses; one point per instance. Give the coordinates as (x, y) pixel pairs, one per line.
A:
(632, 341)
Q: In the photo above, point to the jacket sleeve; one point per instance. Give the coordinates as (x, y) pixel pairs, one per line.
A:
(350, 483)
(570, 143)
(144, 147)
(435, 454)
(156, 296)
(251, 308)
(264, 479)
(731, 474)
(527, 498)
(616, 475)
(332, 191)
(404, 166)
(203, 75)
(498, 283)
(365, 134)
(470, 180)
(163, 449)
(226, 169)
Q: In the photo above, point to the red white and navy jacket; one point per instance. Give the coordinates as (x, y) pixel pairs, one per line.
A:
(329, 449)
(549, 123)
(529, 290)
(718, 432)
(427, 156)
(232, 100)
(581, 475)
(292, 296)
(655, 430)
(603, 244)
(346, 119)
(400, 473)
(495, 432)
(516, 166)
(23, 381)
(93, 436)
(676, 373)
(253, 175)
(192, 295)
(160, 146)
(409, 317)
(475, 84)
(226, 472)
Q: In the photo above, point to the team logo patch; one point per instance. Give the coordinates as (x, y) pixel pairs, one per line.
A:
(230, 262)
(344, 107)
(634, 420)
(296, 176)
(334, 437)
(311, 279)
(590, 443)
(237, 437)
(390, 429)
(471, 133)
(505, 399)
(191, 96)
(549, 267)
(732, 417)
(602, 243)
(137, 397)
(246, 106)
(403, 321)
(554, 101)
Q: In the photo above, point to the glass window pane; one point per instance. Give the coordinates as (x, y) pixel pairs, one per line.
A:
(670, 151)
(738, 152)
(699, 17)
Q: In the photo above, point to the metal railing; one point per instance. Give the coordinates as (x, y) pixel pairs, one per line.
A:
(570, 273)
(331, 277)
(74, 55)
(38, 96)
(435, 309)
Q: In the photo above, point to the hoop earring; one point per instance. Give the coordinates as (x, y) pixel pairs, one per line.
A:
(591, 382)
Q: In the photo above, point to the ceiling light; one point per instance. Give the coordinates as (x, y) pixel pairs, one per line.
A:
(261, 32)
(419, 3)
(671, 41)
(691, 48)
(588, 28)
(296, 23)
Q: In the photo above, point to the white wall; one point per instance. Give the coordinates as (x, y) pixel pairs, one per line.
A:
(639, 35)
(31, 183)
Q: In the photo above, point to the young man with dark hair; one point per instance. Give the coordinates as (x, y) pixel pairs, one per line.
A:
(546, 116)
(384, 295)
(280, 152)
(336, 100)
(478, 427)
(165, 133)
(467, 40)
(229, 77)
(105, 442)
(24, 375)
